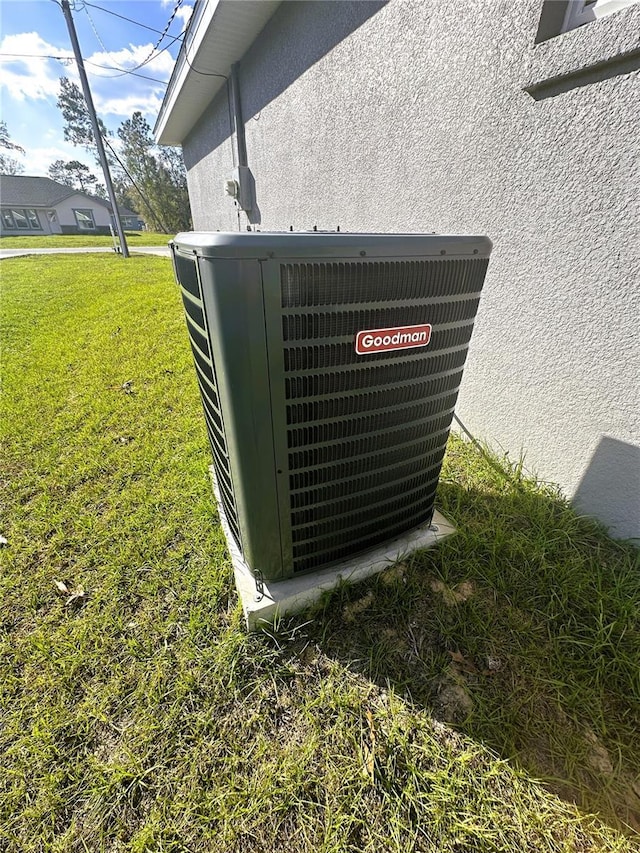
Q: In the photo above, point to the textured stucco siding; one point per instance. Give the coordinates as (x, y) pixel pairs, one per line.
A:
(413, 117)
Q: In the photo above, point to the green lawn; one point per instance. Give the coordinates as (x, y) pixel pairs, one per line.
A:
(55, 241)
(483, 696)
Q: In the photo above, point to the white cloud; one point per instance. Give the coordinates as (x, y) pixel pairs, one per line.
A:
(127, 104)
(129, 57)
(26, 76)
(118, 94)
(29, 78)
(183, 14)
(39, 159)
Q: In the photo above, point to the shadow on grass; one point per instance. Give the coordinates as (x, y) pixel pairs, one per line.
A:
(521, 631)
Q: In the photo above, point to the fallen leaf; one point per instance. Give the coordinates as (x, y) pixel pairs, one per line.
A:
(62, 588)
(76, 598)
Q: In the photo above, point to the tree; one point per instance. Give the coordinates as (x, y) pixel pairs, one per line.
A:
(75, 174)
(78, 129)
(9, 165)
(159, 177)
(145, 178)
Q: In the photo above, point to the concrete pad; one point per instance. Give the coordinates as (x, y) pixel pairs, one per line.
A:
(283, 598)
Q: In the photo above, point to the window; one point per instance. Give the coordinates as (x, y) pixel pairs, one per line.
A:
(85, 220)
(20, 219)
(581, 12)
(561, 16)
(7, 219)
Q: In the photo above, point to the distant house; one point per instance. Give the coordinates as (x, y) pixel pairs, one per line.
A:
(32, 205)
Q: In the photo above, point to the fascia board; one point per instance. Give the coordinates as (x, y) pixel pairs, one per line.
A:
(219, 35)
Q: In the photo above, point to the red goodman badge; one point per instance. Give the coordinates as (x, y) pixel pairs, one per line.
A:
(385, 340)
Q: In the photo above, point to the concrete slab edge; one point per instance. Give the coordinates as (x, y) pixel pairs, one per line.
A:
(285, 598)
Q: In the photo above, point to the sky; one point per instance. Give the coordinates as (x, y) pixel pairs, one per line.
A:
(32, 30)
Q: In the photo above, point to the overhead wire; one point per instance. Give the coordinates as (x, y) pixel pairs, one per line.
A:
(113, 76)
(202, 73)
(161, 39)
(124, 18)
(132, 73)
(133, 181)
(65, 60)
(95, 31)
(153, 55)
(74, 5)
(168, 24)
(185, 50)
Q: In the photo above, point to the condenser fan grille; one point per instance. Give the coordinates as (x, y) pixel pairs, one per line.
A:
(367, 434)
(313, 284)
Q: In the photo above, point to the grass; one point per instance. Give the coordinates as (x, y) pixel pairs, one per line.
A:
(82, 241)
(482, 696)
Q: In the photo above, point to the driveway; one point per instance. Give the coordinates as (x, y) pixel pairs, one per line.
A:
(163, 251)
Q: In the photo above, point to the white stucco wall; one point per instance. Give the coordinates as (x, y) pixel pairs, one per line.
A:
(413, 117)
(66, 216)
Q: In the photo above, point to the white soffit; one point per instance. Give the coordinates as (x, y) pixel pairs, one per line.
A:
(219, 34)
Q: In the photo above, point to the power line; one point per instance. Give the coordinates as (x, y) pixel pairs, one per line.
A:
(107, 51)
(95, 32)
(153, 54)
(124, 18)
(150, 58)
(113, 76)
(168, 25)
(67, 59)
(131, 178)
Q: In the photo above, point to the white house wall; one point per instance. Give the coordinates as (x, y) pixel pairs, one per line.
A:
(413, 116)
(66, 216)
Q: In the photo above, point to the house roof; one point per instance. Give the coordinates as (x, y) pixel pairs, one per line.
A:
(27, 191)
(37, 192)
(220, 32)
(124, 211)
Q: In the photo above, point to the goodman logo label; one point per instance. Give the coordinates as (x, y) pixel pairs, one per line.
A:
(384, 340)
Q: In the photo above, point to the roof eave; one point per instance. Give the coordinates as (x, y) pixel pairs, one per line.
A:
(220, 33)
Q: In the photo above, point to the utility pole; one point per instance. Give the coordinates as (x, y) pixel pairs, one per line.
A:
(66, 11)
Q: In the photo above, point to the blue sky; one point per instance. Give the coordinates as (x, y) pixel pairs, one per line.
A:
(29, 84)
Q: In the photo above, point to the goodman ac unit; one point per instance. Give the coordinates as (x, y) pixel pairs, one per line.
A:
(329, 366)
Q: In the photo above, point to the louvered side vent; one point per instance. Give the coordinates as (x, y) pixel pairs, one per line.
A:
(188, 277)
(367, 434)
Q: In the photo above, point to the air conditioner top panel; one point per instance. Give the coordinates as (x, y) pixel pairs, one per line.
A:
(324, 244)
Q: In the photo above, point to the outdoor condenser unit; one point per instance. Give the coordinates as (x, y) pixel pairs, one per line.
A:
(329, 366)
